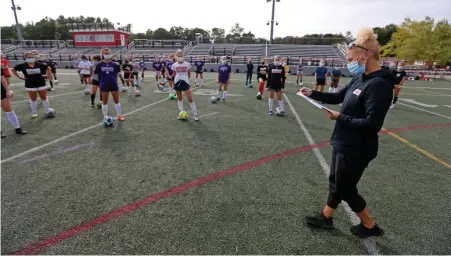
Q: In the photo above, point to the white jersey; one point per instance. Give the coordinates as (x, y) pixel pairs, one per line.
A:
(84, 67)
(181, 70)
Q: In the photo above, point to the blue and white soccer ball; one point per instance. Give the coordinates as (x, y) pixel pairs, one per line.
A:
(108, 121)
(213, 99)
(50, 112)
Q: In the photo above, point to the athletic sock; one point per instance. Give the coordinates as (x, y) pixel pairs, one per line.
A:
(261, 87)
(224, 95)
(93, 97)
(33, 106)
(202, 81)
(13, 120)
(330, 89)
(281, 105)
(51, 84)
(180, 104)
(297, 81)
(45, 103)
(105, 110)
(270, 104)
(193, 108)
(117, 107)
(395, 99)
(129, 89)
(219, 94)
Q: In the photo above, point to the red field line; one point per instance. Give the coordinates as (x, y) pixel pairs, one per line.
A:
(49, 241)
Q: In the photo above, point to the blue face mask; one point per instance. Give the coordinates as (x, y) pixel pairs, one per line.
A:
(400, 68)
(355, 68)
(30, 60)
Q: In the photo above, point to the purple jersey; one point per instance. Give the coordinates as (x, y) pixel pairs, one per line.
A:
(107, 73)
(142, 65)
(157, 66)
(169, 67)
(199, 65)
(224, 72)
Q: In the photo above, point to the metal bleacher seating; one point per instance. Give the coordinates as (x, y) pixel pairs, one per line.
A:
(200, 49)
(320, 51)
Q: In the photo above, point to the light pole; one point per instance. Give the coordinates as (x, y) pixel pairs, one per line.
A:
(271, 36)
(14, 8)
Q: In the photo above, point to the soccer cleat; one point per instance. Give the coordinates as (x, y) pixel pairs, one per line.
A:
(392, 105)
(120, 118)
(20, 131)
(92, 105)
(319, 220)
(196, 118)
(270, 113)
(301, 84)
(3, 136)
(364, 232)
(34, 115)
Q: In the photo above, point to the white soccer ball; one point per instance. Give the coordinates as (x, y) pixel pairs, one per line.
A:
(137, 93)
(278, 111)
(50, 112)
(108, 121)
(87, 92)
(124, 89)
(213, 99)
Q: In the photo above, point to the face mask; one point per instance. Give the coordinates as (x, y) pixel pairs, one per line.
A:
(321, 64)
(277, 63)
(30, 60)
(263, 63)
(180, 59)
(224, 62)
(400, 68)
(106, 56)
(355, 68)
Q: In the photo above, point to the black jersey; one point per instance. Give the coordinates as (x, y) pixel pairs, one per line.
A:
(127, 67)
(276, 76)
(250, 67)
(33, 75)
(399, 76)
(262, 70)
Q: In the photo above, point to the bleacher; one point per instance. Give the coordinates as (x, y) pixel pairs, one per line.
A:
(222, 49)
(249, 50)
(321, 51)
(200, 49)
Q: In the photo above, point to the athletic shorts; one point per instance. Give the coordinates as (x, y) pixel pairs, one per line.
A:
(223, 81)
(157, 73)
(262, 77)
(88, 75)
(321, 81)
(135, 74)
(300, 72)
(95, 82)
(199, 71)
(53, 71)
(181, 85)
(127, 75)
(276, 88)
(36, 89)
(334, 82)
(3, 93)
(109, 87)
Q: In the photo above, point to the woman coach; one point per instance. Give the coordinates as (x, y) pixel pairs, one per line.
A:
(366, 100)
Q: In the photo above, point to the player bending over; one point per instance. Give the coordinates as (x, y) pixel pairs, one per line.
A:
(276, 83)
(262, 71)
(108, 73)
(182, 71)
(400, 76)
(95, 79)
(334, 80)
(199, 64)
(224, 75)
(7, 107)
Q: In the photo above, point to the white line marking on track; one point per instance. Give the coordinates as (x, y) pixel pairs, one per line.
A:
(368, 243)
(424, 110)
(31, 150)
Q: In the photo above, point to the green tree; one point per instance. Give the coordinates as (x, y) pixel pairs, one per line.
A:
(384, 34)
(218, 34)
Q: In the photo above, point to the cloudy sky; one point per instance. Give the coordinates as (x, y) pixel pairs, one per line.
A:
(295, 17)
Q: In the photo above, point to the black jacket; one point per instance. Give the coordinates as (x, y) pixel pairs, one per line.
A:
(366, 100)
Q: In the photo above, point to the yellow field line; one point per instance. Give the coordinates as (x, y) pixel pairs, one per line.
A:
(422, 151)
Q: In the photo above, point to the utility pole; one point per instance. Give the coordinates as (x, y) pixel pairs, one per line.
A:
(272, 22)
(14, 8)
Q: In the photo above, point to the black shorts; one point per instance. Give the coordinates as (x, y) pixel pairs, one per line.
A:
(86, 75)
(95, 82)
(334, 82)
(3, 93)
(321, 81)
(262, 77)
(170, 78)
(199, 71)
(127, 75)
(181, 85)
(135, 74)
(276, 88)
(53, 71)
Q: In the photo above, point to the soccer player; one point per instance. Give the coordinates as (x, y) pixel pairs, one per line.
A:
(250, 70)
(34, 75)
(224, 75)
(95, 79)
(276, 83)
(157, 66)
(7, 106)
(182, 71)
(300, 73)
(286, 67)
(400, 76)
(53, 69)
(85, 66)
(142, 67)
(169, 72)
(52, 77)
(5, 69)
(127, 68)
(77, 61)
(334, 80)
(199, 64)
(262, 71)
(108, 73)
(320, 76)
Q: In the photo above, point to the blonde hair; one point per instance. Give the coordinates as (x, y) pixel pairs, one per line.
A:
(366, 38)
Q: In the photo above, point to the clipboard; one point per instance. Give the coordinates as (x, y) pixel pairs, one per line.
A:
(313, 102)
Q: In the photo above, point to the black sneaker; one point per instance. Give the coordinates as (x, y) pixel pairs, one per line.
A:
(92, 105)
(319, 220)
(20, 131)
(364, 232)
(3, 136)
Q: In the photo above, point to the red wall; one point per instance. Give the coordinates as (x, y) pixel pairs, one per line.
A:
(117, 38)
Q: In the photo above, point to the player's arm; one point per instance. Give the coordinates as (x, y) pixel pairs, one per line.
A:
(18, 68)
(268, 71)
(283, 78)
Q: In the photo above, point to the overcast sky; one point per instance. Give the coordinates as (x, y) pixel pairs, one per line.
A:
(295, 17)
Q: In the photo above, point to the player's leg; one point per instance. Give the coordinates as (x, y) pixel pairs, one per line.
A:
(54, 76)
(218, 96)
(224, 92)
(261, 85)
(117, 104)
(43, 95)
(271, 101)
(192, 105)
(281, 103)
(178, 87)
(81, 78)
(50, 78)
(10, 115)
(95, 86)
(395, 96)
(201, 78)
(33, 95)
(105, 93)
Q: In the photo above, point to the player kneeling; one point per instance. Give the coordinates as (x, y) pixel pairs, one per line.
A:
(108, 73)
(276, 83)
(182, 75)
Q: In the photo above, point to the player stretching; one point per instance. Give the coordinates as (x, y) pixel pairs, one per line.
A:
(128, 77)
(276, 83)
(334, 80)
(262, 70)
(94, 80)
(108, 73)
(7, 107)
(182, 71)
(199, 64)
(300, 73)
(224, 75)
(400, 76)
(34, 75)
(170, 72)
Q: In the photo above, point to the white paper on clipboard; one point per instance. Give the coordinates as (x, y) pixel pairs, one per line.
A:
(313, 102)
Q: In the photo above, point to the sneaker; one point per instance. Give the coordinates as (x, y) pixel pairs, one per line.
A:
(196, 118)
(270, 113)
(34, 115)
(364, 232)
(301, 84)
(319, 220)
(3, 136)
(282, 113)
(20, 131)
(392, 105)
(92, 105)
(120, 118)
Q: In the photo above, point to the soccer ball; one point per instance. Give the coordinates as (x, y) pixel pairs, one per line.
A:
(278, 111)
(12, 93)
(183, 115)
(251, 86)
(137, 93)
(108, 121)
(50, 112)
(172, 96)
(213, 99)
(124, 89)
(99, 104)
(87, 91)
(259, 96)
